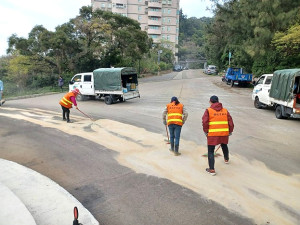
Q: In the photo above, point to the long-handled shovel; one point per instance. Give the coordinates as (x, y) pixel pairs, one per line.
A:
(168, 141)
(86, 115)
(215, 153)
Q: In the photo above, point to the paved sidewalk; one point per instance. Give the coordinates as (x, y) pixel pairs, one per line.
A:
(24, 192)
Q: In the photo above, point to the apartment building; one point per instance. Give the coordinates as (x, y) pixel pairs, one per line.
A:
(160, 18)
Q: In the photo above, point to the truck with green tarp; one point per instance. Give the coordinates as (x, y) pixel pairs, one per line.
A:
(114, 84)
(280, 90)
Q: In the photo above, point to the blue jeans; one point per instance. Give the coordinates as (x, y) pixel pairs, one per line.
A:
(175, 131)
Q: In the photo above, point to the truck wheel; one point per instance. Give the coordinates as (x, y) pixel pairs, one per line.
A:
(257, 103)
(232, 83)
(279, 113)
(81, 97)
(121, 99)
(108, 100)
(228, 82)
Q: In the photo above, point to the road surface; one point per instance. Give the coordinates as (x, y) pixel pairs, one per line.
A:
(120, 169)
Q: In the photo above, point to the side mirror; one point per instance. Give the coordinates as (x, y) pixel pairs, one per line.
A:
(71, 82)
(254, 82)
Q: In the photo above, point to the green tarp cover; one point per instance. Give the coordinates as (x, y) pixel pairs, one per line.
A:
(109, 79)
(282, 84)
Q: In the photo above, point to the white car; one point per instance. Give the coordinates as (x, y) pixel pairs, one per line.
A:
(210, 69)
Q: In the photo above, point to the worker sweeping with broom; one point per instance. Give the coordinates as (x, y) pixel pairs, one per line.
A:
(217, 126)
(177, 116)
(66, 103)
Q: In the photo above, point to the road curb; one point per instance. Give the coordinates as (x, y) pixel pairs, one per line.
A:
(47, 202)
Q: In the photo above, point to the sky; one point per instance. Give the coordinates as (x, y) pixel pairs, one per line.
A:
(19, 16)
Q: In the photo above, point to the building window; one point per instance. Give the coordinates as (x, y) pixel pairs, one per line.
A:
(169, 11)
(103, 5)
(154, 9)
(177, 30)
(168, 37)
(109, 6)
(154, 36)
(153, 18)
(139, 17)
(139, 8)
(164, 2)
(169, 20)
(163, 28)
(164, 20)
(120, 6)
(140, 0)
(164, 37)
(154, 27)
(168, 28)
(170, 2)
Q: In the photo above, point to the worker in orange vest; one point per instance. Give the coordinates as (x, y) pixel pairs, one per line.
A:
(217, 126)
(66, 103)
(176, 116)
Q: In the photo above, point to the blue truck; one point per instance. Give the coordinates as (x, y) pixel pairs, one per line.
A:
(235, 76)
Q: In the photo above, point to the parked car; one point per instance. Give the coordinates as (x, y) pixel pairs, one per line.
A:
(177, 68)
(210, 69)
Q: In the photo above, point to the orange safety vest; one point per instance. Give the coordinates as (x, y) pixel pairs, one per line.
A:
(175, 113)
(218, 122)
(66, 100)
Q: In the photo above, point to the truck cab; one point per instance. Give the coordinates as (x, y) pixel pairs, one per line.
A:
(84, 82)
(260, 94)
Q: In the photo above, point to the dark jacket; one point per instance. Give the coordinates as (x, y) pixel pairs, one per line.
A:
(215, 140)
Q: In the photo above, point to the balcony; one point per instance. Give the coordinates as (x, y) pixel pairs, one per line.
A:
(154, 31)
(154, 22)
(155, 4)
(154, 13)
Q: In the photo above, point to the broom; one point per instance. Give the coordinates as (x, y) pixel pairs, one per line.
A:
(168, 141)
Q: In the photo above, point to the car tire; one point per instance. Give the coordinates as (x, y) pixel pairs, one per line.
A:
(108, 100)
(257, 103)
(232, 83)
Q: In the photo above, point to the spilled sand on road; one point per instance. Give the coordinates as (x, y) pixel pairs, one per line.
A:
(245, 187)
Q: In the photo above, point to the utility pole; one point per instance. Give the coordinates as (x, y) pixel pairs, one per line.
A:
(229, 55)
(158, 60)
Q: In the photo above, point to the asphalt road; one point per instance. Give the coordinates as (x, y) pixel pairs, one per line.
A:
(259, 186)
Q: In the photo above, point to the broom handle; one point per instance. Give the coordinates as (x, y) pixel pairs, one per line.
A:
(84, 114)
(218, 148)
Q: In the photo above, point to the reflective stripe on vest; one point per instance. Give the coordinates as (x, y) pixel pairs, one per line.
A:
(175, 114)
(66, 100)
(218, 122)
